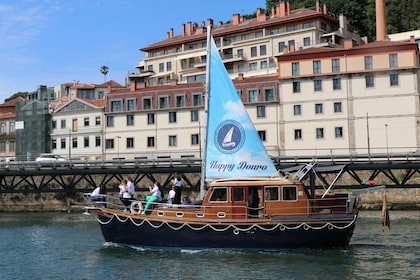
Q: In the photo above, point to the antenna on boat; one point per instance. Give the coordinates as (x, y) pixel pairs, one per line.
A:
(206, 99)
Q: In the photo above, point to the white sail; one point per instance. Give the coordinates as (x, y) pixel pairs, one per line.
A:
(233, 146)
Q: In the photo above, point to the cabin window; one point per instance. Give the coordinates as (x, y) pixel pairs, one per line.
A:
(219, 194)
(272, 193)
(238, 194)
(289, 193)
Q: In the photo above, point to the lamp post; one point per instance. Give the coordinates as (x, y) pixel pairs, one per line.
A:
(386, 136)
(118, 146)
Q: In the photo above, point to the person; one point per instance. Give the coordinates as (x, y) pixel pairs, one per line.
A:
(171, 195)
(98, 194)
(155, 196)
(253, 202)
(124, 194)
(131, 187)
(178, 189)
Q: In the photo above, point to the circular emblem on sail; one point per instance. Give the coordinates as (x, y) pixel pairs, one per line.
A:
(229, 137)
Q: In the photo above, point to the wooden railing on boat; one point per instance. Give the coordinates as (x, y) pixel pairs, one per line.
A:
(330, 205)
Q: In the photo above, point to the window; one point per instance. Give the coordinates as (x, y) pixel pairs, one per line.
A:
(197, 99)
(295, 68)
(336, 83)
(147, 103)
(289, 193)
(306, 41)
(97, 120)
(161, 67)
(316, 66)
(370, 82)
(63, 123)
(109, 144)
(338, 132)
(317, 85)
(150, 141)
(291, 43)
(53, 124)
(282, 46)
(393, 60)
(239, 194)
(297, 110)
(180, 101)
(74, 142)
(261, 134)
(393, 79)
(368, 62)
(263, 64)
(263, 50)
(319, 133)
(131, 104)
(219, 194)
(254, 51)
(54, 144)
(163, 102)
(110, 121)
(12, 127)
(269, 94)
(253, 95)
(97, 141)
(3, 128)
(86, 142)
(296, 86)
(335, 65)
(318, 108)
(194, 139)
(130, 119)
(169, 66)
(272, 193)
(337, 107)
(116, 105)
(150, 118)
(298, 134)
(63, 143)
(172, 117)
(253, 66)
(194, 115)
(172, 140)
(130, 142)
(260, 111)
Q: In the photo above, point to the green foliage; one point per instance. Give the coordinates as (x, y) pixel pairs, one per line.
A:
(17, 94)
(402, 15)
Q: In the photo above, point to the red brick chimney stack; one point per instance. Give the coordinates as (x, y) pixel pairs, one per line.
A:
(380, 20)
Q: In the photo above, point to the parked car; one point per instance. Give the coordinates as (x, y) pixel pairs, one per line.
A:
(51, 159)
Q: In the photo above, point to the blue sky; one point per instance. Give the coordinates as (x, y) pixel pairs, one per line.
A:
(50, 42)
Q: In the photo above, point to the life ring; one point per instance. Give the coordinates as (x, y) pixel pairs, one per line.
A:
(136, 206)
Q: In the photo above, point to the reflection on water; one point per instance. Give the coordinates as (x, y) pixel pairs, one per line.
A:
(70, 246)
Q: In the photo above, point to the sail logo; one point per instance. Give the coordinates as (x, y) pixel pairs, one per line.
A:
(229, 137)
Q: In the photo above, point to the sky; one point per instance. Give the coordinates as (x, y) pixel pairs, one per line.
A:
(51, 42)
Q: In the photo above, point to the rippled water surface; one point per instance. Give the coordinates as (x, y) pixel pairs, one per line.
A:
(70, 246)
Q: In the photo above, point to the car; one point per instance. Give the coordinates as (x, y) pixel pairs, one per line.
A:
(51, 159)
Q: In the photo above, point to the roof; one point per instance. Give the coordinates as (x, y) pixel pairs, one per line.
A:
(246, 25)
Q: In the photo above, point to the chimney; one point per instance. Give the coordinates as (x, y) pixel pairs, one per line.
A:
(282, 9)
(189, 28)
(348, 43)
(183, 30)
(318, 6)
(260, 15)
(287, 8)
(132, 86)
(412, 39)
(236, 19)
(380, 20)
(170, 33)
(325, 10)
(241, 76)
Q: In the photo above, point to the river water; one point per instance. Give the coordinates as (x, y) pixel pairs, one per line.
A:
(71, 246)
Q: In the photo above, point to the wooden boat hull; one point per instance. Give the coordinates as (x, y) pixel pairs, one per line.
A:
(309, 233)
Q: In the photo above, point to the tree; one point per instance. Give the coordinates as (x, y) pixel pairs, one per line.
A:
(104, 71)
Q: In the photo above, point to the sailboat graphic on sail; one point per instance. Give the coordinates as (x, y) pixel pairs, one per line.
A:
(246, 204)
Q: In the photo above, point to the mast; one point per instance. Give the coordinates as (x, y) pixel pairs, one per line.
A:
(206, 98)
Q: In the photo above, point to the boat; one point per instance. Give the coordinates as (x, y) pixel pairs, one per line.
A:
(246, 204)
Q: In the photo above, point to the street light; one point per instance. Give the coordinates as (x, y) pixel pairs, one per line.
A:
(118, 146)
(386, 135)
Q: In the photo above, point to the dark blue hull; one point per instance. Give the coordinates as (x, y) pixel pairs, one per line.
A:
(145, 233)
